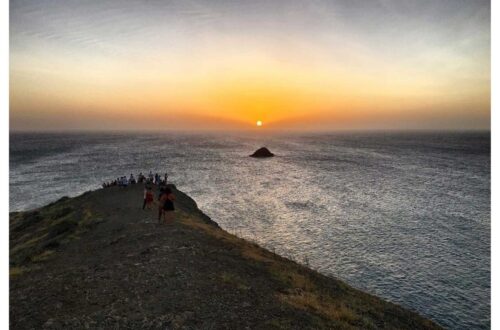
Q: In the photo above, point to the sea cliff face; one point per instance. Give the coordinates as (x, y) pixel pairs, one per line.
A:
(99, 261)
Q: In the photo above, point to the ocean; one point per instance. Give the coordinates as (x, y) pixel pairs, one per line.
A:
(404, 216)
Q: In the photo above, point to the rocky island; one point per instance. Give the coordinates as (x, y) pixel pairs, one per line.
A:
(99, 261)
(262, 153)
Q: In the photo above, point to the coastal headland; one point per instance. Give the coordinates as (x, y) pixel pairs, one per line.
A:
(99, 261)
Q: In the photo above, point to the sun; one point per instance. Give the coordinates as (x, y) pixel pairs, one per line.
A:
(259, 123)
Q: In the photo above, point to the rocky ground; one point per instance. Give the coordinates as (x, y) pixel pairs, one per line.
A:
(98, 261)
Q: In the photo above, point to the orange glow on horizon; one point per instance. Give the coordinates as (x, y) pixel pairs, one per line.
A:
(230, 89)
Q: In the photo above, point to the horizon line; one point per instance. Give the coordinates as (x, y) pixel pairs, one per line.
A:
(255, 130)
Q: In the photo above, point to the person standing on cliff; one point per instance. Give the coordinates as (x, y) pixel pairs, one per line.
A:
(148, 197)
(160, 203)
(167, 206)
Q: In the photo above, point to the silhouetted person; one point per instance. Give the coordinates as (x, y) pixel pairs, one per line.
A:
(167, 203)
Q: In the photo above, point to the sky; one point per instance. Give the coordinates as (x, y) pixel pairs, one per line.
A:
(294, 65)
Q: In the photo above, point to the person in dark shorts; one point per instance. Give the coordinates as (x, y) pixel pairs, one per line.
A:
(167, 204)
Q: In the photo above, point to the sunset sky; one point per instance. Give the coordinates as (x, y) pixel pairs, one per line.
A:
(344, 64)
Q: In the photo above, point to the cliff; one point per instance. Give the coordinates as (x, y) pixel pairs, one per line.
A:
(99, 261)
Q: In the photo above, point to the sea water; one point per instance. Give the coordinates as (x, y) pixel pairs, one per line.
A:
(405, 216)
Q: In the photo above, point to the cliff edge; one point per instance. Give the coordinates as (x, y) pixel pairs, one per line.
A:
(99, 261)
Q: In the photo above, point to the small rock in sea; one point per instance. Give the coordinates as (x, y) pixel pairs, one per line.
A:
(262, 152)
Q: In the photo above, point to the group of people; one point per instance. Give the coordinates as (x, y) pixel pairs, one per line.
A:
(153, 178)
(165, 200)
(141, 178)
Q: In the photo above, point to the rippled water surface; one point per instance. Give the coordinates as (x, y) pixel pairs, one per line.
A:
(403, 216)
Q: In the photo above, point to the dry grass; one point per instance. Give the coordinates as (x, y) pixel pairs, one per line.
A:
(43, 256)
(87, 218)
(16, 271)
(209, 229)
(233, 280)
(248, 250)
(300, 289)
(28, 243)
(302, 293)
(291, 277)
(323, 305)
(256, 253)
(52, 226)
